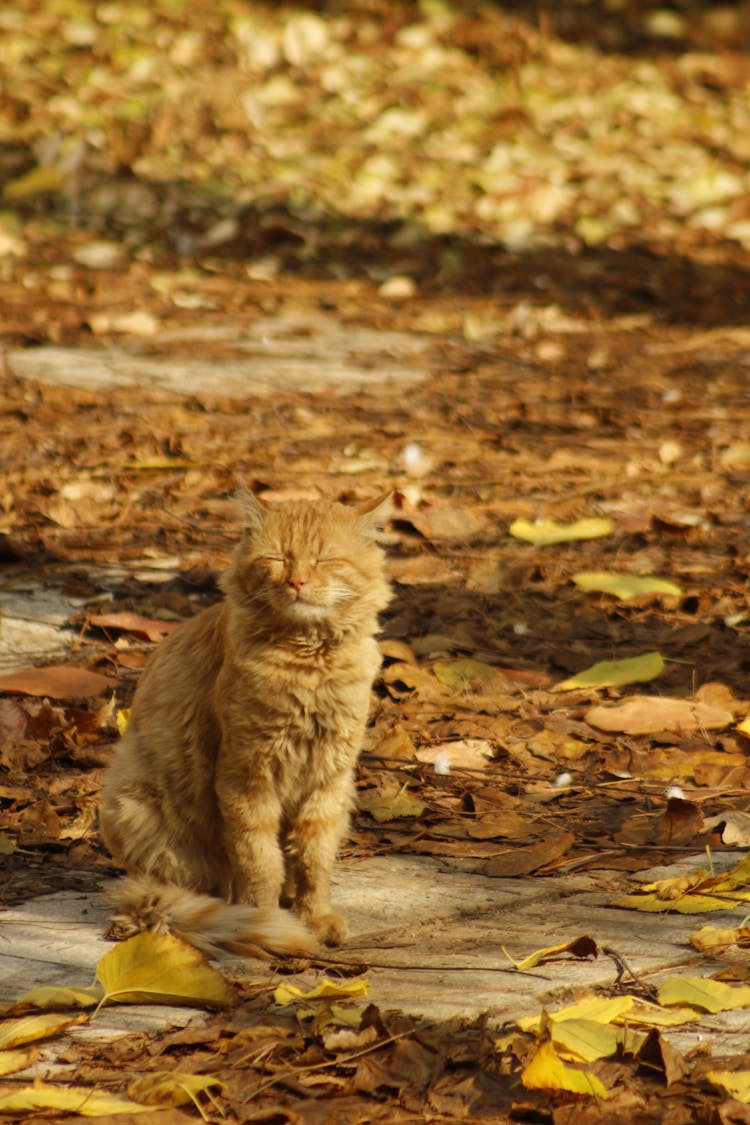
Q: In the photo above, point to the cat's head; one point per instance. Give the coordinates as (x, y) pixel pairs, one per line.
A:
(309, 562)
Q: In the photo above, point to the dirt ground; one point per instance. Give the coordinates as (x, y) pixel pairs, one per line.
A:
(486, 372)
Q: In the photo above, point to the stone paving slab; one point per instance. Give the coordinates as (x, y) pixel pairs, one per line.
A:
(433, 937)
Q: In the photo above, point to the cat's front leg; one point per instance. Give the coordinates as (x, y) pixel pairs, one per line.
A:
(311, 846)
(250, 830)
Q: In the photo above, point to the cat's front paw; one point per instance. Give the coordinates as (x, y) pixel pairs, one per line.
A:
(329, 927)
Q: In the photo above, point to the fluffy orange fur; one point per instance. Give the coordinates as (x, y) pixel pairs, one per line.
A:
(235, 777)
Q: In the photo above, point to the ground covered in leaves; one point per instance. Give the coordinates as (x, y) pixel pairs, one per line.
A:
(556, 208)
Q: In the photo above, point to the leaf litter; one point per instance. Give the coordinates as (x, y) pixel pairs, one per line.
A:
(629, 425)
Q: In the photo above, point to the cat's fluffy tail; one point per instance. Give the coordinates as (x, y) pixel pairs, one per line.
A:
(208, 923)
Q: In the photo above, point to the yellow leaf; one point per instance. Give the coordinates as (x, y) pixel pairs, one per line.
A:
(52, 998)
(693, 894)
(689, 904)
(710, 939)
(383, 809)
(614, 673)
(736, 1083)
(603, 1009)
(327, 990)
(703, 994)
(584, 1040)
(579, 947)
(545, 532)
(160, 969)
(547, 1071)
(36, 182)
(27, 1029)
(645, 1014)
(173, 1088)
(13, 1061)
(744, 726)
(84, 1100)
(623, 586)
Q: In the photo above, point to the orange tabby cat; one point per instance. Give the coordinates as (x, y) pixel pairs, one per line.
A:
(234, 780)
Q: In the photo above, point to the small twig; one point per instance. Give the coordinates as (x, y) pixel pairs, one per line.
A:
(365, 965)
(623, 967)
(292, 1071)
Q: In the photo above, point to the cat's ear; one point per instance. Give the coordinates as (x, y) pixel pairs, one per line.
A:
(252, 507)
(375, 513)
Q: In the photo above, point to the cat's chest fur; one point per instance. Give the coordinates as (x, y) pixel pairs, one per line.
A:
(294, 711)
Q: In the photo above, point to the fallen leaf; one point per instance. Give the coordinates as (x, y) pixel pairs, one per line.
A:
(523, 860)
(57, 681)
(155, 968)
(693, 894)
(13, 1061)
(458, 524)
(710, 939)
(547, 1071)
(28, 1029)
(546, 532)
(735, 827)
(601, 1009)
(39, 181)
(650, 714)
(471, 675)
(616, 673)
(58, 998)
(148, 627)
(682, 821)
(703, 994)
(585, 1040)
(657, 1054)
(466, 753)
(394, 743)
(83, 1100)
(326, 990)
(173, 1088)
(623, 586)
(383, 808)
(736, 1083)
(580, 948)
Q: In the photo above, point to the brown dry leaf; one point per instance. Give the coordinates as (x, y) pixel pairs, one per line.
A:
(422, 570)
(12, 721)
(402, 679)
(735, 827)
(651, 714)
(459, 524)
(58, 681)
(506, 825)
(466, 753)
(682, 821)
(524, 860)
(658, 1055)
(148, 627)
(393, 743)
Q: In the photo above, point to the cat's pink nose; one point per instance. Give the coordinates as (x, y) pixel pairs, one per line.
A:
(295, 582)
